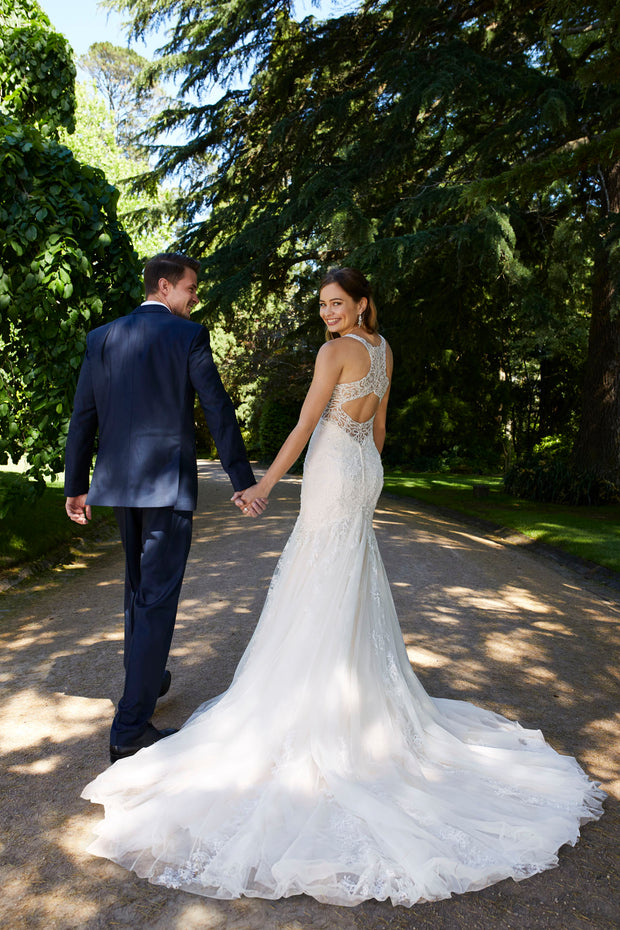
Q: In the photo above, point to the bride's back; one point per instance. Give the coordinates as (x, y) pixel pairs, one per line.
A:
(357, 362)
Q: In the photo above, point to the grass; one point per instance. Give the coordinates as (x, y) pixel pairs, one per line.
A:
(35, 530)
(591, 533)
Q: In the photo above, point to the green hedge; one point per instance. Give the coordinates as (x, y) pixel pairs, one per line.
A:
(548, 475)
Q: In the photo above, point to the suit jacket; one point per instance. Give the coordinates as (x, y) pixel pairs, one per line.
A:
(137, 387)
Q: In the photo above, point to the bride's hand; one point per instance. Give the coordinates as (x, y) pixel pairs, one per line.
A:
(252, 501)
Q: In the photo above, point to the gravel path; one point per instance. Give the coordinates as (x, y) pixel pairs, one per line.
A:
(484, 620)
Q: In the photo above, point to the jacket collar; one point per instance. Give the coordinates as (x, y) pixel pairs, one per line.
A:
(152, 307)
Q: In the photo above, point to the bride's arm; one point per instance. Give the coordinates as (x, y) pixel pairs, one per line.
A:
(378, 427)
(327, 371)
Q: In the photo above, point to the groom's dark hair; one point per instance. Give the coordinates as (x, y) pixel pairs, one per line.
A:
(168, 265)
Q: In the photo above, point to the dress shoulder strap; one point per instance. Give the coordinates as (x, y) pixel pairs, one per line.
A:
(365, 342)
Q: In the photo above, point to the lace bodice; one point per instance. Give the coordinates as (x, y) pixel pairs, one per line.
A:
(375, 381)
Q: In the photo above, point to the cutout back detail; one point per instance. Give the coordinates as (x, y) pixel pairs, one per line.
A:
(375, 382)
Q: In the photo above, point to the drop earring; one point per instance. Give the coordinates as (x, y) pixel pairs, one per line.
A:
(360, 317)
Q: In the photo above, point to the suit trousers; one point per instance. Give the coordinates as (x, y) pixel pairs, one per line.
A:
(156, 541)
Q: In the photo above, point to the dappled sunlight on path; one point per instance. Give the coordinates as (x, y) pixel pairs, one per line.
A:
(483, 621)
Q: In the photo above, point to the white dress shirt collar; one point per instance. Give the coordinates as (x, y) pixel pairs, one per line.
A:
(157, 303)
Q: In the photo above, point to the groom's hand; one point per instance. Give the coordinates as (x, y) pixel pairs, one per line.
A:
(77, 509)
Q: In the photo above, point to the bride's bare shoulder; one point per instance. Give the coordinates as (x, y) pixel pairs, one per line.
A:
(334, 348)
(330, 353)
(333, 356)
(340, 346)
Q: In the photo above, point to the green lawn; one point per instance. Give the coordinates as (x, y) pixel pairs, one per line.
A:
(589, 532)
(35, 530)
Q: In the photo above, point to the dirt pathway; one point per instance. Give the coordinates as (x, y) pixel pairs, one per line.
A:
(484, 621)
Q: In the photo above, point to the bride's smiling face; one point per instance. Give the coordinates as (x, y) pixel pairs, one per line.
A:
(339, 311)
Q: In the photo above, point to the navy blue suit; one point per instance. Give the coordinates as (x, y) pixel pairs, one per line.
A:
(136, 390)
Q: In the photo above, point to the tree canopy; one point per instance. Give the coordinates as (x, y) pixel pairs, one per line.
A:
(147, 217)
(116, 71)
(464, 155)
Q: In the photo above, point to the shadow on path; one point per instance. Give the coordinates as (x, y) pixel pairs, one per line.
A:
(483, 621)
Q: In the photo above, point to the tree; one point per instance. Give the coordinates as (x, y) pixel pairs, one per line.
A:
(65, 262)
(147, 217)
(117, 72)
(448, 149)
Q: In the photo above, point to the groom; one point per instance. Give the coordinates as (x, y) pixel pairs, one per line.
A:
(136, 389)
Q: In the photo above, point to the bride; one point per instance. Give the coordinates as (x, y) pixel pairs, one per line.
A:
(325, 768)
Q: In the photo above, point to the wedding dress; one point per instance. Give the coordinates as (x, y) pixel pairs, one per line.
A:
(325, 768)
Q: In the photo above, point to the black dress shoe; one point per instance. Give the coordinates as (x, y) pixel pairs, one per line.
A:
(151, 735)
(165, 683)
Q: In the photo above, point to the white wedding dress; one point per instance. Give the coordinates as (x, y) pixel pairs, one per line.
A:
(325, 768)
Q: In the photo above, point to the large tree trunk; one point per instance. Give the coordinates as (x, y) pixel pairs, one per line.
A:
(597, 448)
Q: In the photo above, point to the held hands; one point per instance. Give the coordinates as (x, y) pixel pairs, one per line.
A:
(250, 501)
(77, 509)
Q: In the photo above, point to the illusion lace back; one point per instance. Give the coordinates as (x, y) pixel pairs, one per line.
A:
(325, 768)
(375, 382)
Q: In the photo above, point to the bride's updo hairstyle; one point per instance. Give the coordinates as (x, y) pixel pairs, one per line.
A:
(356, 286)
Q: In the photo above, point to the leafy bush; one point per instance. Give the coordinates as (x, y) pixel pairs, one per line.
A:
(66, 264)
(204, 439)
(17, 490)
(547, 475)
(36, 68)
(277, 419)
(440, 432)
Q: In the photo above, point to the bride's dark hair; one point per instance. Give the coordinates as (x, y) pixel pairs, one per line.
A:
(355, 284)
